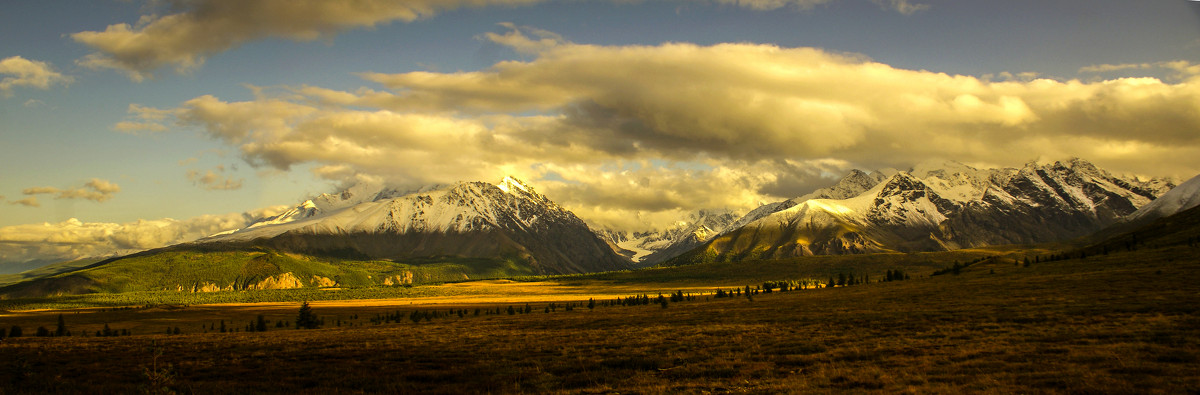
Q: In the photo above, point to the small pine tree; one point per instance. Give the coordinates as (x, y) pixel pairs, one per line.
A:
(42, 332)
(306, 319)
(62, 327)
(511, 310)
(260, 324)
(591, 303)
(222, 326)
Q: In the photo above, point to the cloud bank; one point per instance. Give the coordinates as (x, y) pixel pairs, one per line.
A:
(20, 72)
(96, 189)
(73, 239)
(201, 28)
(624, 133)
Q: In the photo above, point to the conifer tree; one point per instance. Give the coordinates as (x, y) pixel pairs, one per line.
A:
(306, 319)
(62, 327)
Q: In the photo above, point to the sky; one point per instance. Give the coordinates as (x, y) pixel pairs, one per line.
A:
(127, 125)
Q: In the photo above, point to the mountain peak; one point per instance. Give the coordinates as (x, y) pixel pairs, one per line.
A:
(511, 184)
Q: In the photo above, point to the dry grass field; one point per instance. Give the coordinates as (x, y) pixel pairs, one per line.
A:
(1118, 323)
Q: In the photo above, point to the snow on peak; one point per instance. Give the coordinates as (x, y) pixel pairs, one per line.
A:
(462, 206)
(511, 184)
(1181, 198)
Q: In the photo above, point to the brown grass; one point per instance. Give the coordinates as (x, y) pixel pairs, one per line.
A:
(1123, 323)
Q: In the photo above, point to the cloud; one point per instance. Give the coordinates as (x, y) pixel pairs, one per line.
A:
(214, 181)
(95, 189)
(766, 5)
(902, 6)
(74, 239)
(1180, 69)
(20, 72)
(27, 202)
(617, 130)
(205, 27)
(518, 38)
(198, 29)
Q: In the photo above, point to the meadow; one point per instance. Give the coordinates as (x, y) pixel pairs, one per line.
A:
(1121, 322)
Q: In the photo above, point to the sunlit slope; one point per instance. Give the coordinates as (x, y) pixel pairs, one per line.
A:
(189, 270)
(47, 270)
(935, 208)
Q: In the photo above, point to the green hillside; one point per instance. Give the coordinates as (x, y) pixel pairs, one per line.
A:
(44, 271)
(190, 270)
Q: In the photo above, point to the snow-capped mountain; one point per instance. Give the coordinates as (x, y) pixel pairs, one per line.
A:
(851, 185)
(936, 207)
(1178, 199)
(647, 248)
(469, 219)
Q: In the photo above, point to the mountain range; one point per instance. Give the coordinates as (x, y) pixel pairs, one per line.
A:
(942, 207)
(371, 235)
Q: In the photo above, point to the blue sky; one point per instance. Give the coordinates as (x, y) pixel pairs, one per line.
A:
(590, 101)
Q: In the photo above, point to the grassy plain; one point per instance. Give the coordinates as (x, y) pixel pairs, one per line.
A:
(1125, 322)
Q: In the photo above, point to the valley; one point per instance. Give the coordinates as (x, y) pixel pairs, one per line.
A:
(469, 288)
(1121, 322)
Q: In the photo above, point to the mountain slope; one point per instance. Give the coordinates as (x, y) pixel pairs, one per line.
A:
(361, 237)
(851, 185)
(940, 207)
(648, 248)
(1177, 200)
(469, 220)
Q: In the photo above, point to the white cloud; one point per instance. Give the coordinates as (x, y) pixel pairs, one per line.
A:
(95, 189)
(617, 130)
(73, 239)
(20, 72)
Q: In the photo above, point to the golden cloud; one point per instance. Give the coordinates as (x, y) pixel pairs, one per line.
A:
(95, 189)
(622, 129)
(20, 72)
(73, 239)
(205, 27)
(214, 179)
